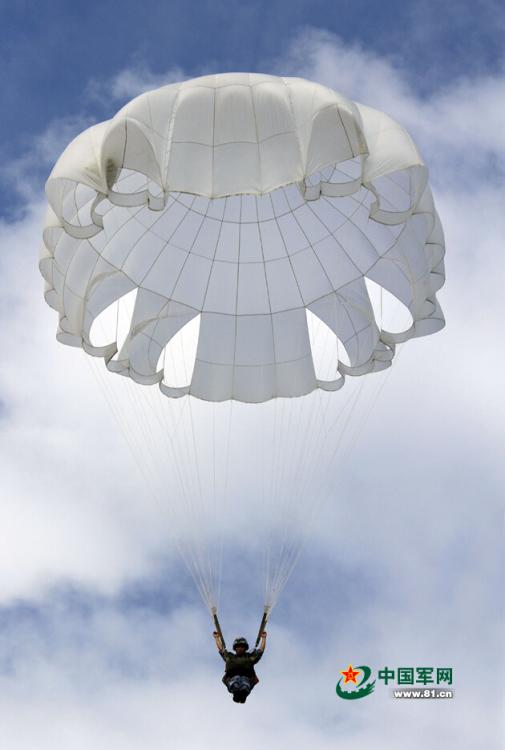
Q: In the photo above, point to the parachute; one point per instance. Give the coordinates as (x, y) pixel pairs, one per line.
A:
(228, 245)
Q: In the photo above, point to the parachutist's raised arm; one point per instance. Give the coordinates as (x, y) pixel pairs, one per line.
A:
(218, 633)
(219, 641)
(263, 641)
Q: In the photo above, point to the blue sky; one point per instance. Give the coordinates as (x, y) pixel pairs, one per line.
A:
(104, 641)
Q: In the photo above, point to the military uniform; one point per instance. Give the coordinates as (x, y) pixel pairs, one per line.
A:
(239, 674)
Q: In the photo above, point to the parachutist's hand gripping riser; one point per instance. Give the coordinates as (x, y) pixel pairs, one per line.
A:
(218, 634)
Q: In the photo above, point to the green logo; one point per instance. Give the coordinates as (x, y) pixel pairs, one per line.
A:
(358, 688)
(356, 683)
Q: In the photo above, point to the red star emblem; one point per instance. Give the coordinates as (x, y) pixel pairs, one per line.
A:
(350, 674)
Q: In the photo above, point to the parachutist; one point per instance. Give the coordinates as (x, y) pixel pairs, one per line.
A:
(239, 676)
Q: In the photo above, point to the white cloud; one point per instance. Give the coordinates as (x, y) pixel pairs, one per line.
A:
(25, 174)
(457, 126)
(130, 82)
(141, 679)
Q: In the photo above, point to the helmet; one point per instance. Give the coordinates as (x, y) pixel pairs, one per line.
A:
(240, 642)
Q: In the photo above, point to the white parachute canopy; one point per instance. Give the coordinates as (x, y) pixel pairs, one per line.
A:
(233, 238)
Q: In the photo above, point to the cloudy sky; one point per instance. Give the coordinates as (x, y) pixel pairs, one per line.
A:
(104, 642)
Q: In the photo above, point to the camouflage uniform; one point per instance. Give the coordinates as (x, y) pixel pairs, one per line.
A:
(239, 670)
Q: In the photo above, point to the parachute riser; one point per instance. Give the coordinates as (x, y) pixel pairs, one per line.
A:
(218, 626)
(264, 621)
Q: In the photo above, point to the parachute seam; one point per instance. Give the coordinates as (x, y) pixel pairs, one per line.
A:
(267, 289)
(236, 309)
(253, 105)
(295, 130)
(170, 130)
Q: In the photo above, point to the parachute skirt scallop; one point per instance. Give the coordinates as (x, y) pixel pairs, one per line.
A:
(249, 267)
